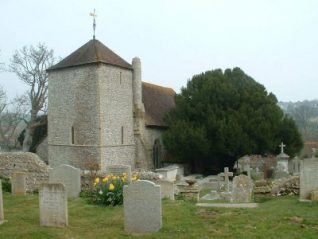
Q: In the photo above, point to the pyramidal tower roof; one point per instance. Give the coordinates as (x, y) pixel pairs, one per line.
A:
(91, 53)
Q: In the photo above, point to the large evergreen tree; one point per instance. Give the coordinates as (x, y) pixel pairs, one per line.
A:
(221, 116)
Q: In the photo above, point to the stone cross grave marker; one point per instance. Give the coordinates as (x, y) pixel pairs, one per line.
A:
(242, 189)
(308, 177)
(18, 183)
(119, 170)
(142, 207)
(1, 205)
(69, 176)
(53, 205)
(226, 176)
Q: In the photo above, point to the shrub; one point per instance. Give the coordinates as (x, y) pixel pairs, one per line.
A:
(6, 185)
(108, 190)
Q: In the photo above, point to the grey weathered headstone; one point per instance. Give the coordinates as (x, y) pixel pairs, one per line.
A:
(142, 207)
(226, 176)
(18, 183)
(308, 177)
(242, 189)
(119, 170)
(69, 176)
(167, 189)
(53, 205)
(1, 205)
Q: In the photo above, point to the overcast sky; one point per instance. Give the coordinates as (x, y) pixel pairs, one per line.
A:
(273, 41)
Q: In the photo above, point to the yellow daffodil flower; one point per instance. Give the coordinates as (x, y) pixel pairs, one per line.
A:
(111, 187)
(105, 180)
(96, 180)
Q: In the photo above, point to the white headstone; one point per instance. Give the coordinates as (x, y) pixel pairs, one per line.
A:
(169, 173)
(119, 170)
(167, 188)
(53, 205)
(308, 177)
(69, 176)
(142, 207)
(242, 189)
(1, 205)
(18, 183)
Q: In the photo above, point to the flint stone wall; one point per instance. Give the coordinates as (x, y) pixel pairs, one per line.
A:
(37, 171)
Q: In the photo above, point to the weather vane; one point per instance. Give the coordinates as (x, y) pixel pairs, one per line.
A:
(93, 14)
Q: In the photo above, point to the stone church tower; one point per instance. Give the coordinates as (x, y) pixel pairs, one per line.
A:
(101, 113)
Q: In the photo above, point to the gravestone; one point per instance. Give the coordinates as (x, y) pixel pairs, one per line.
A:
(308, 177)
(167, 189)
(169, 173)
(226, 176)
(142, 207)
(53, 205)
(242, 189)
(69, 176)
(1, 205)
(18, 183)
(119, 170)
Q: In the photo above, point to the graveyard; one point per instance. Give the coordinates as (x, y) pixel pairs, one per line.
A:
(282, 217)
(91, 149)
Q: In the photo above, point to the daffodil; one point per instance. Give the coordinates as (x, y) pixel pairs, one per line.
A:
(105, 180)
(96, 180)
(111, 187)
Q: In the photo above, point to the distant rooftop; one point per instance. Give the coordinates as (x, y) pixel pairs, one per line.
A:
(91, 53)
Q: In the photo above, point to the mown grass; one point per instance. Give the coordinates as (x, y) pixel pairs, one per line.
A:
(275, 218)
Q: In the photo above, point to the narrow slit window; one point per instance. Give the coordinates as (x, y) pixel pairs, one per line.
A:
(119, 77)
(73, 135)
(122, 134)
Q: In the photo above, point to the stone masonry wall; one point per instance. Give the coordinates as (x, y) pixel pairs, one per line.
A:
(116, 116)
(37, 171)
(74, 102)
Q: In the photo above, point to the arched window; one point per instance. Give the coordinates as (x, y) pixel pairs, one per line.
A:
(157, 154)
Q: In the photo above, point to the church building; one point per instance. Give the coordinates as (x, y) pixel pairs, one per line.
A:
(100, 111)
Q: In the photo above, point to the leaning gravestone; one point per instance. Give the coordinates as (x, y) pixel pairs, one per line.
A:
(119, 170)
(308, 177)
(242, 189)
(69, 176)
(53, 205)
(1, 205)
(18, 183)
(142, 207)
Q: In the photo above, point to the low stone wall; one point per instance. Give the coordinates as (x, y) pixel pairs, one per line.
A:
(37, 171)
(278, 187)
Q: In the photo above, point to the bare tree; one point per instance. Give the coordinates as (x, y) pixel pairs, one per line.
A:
(30, 64)
(12, 115)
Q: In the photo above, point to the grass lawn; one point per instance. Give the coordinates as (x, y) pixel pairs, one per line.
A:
(275, 218)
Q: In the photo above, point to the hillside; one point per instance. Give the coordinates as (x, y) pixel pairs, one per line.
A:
(305, 114)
